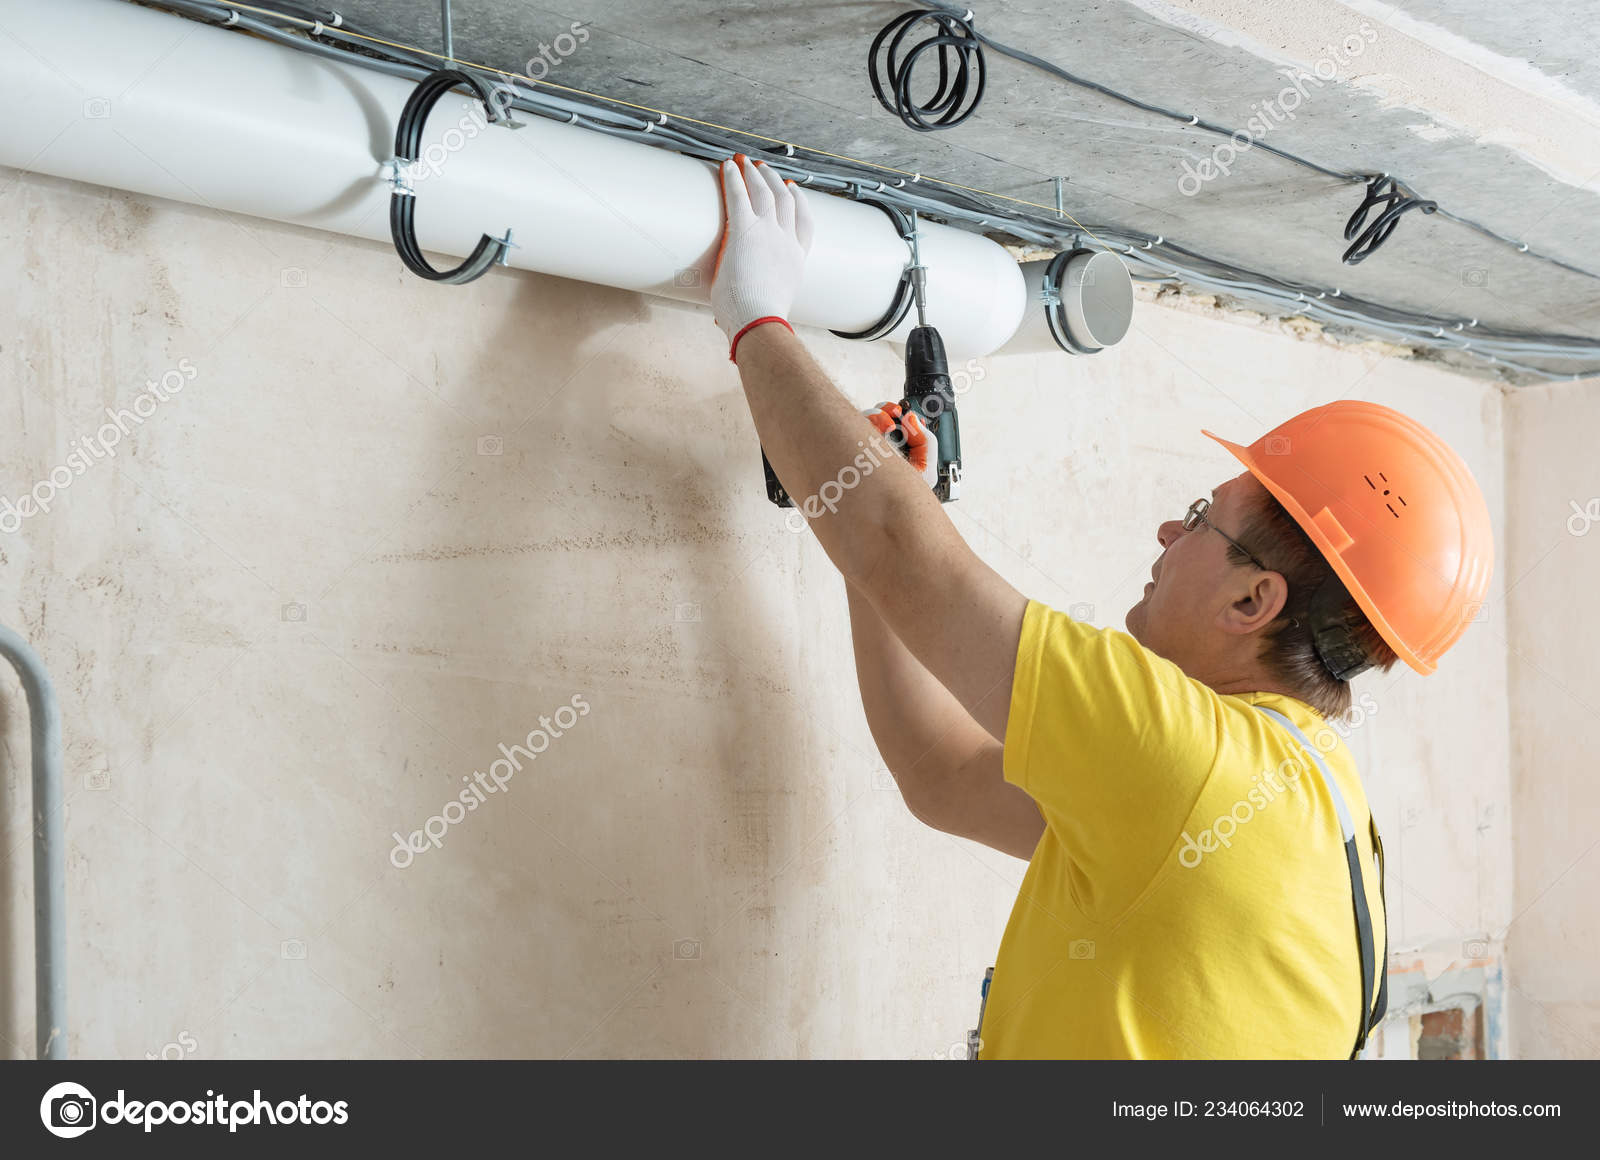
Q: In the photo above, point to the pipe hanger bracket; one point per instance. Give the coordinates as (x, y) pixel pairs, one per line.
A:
(403, 198)
(905, 294)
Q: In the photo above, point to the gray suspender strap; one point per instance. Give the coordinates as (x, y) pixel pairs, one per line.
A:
(1369, 965)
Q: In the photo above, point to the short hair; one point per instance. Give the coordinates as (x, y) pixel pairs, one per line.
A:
(1287, 648)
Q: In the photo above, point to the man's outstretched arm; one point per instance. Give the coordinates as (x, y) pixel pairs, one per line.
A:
(948, 767)
(888, 534)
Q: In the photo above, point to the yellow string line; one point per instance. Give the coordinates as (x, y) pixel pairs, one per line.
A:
(661, 112)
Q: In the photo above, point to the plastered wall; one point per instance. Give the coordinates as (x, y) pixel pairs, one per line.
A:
(1553, 940)
(381, 527)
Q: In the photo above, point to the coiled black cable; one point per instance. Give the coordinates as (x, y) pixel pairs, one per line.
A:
(1396, 200)
(958, 31)
(961, 70)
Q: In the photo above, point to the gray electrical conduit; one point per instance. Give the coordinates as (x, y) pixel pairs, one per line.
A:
(49, 848)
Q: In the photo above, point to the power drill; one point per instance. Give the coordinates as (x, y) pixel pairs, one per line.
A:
(928, 391)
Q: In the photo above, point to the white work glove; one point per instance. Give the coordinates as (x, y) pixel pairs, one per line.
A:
(919, 445)
(766, 235)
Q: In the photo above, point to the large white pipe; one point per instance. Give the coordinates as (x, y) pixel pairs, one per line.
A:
(106, 92)
(1095, 308)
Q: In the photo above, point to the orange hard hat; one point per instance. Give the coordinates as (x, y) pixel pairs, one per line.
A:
(1394, 510)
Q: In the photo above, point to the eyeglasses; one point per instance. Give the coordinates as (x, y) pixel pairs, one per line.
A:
(1196, 515)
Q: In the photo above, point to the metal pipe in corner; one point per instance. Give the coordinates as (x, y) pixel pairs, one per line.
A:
(49, 848)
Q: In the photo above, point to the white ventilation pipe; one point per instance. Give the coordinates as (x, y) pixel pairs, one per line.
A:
(106, 92)
(1091, 308)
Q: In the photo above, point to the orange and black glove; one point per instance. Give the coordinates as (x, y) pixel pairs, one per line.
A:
(910, 435)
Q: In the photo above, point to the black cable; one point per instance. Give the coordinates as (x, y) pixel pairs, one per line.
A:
(959, 36)
(1352, 256)
(403, 202)
(965, 21)
(958, 50)
(1397, 200)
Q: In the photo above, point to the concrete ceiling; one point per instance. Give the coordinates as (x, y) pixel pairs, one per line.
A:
(1491, 109)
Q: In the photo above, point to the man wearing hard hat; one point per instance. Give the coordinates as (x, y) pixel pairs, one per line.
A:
(1204, 879)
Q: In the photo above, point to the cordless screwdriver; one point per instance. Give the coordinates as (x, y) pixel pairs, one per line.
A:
(928, 391)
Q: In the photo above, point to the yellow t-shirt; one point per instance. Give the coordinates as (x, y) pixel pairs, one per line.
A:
(1190, 897)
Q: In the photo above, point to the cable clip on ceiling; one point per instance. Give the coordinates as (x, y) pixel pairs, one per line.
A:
(316, 17)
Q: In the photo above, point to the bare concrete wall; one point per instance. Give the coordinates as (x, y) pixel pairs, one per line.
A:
(1554, 938)
(385, 526)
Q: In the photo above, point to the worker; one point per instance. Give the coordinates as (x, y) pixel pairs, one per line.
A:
(1203, 876)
